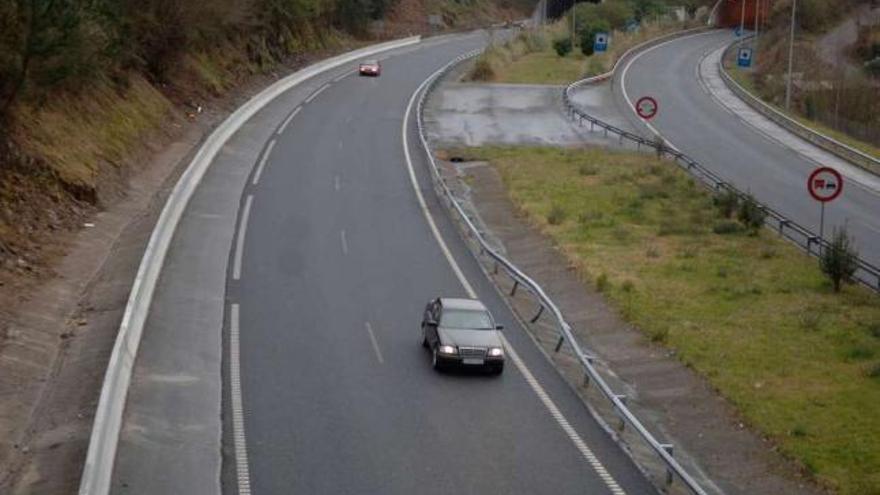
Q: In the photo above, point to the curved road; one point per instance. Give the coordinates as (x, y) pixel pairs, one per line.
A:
(693, 121)
(338, 261)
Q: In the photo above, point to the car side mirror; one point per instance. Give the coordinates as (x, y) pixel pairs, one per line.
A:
(499, 327)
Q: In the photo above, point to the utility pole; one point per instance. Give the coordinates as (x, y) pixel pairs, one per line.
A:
(755, 43)
(742, 20)
(573, 26)
(790, 56)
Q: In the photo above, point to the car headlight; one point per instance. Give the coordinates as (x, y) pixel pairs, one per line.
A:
(447, 349)
(495, 352)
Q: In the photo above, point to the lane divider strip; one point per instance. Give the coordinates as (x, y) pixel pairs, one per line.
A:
(239, 238)
(262, 163)
(238, 436)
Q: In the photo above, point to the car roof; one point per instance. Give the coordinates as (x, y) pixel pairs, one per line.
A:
(461, 303)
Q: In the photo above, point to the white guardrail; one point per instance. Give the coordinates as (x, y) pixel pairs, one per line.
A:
(674, 470)
(828, 143)
(98, 469)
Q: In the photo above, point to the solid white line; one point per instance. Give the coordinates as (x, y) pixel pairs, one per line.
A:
(375, 343)
(238, 435)
(344, 242)
(316, 93)
(536, 387)
(288, 119)
(626, 95)
(263, 160)
(239, 241)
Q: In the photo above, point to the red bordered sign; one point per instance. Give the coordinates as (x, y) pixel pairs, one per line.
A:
(646, 107)
(825, 184)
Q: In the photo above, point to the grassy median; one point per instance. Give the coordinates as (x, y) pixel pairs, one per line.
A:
(749, 311)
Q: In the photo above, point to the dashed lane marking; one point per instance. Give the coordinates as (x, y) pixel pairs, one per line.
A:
(263, 161)
(239, 241)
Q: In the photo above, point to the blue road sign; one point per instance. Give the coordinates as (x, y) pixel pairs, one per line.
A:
(600, 44)
(744, 59)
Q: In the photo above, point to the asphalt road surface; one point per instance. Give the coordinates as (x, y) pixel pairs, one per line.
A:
(338, 262)
(700, 127)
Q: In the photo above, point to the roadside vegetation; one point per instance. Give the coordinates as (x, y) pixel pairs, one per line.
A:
(551, 55)
(88, 87)
(696, 274)
(835, 97)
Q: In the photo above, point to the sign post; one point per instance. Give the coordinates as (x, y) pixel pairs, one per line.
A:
(824, 184)
(647, 107)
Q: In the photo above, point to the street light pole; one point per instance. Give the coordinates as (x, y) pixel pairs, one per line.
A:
(790, 56)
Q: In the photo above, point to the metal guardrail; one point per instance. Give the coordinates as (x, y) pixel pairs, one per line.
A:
(833, 146)
(867, 274)
(674, 470)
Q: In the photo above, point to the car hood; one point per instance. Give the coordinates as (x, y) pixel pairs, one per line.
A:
(469, 338)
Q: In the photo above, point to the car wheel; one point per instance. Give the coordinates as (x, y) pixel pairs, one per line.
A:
(424, 340)
(436, 363)
(497, 370)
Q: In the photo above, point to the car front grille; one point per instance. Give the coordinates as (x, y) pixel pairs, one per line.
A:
(472, 352)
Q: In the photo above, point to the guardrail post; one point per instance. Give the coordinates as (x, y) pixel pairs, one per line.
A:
(622, 399)
(810, 240)
(559, 343)
(538, 314)
(515, 286)
(670, 475)
(495, 268)
(586, 380)
(782, 224)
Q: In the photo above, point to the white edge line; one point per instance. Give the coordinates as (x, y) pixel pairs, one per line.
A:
(317, 92)
(626, 69)
(375, 343)
(239, 238)
(288, 119)
(263, 160)
(238, 434)
(98, 467)
(536, 387)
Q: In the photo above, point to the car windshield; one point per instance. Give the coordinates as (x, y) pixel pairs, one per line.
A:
(457, 318)
(370, 62)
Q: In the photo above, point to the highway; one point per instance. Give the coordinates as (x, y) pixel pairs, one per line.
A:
(693, 121)
(333, 264)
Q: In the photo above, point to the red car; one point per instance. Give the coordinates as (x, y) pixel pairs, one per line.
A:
(370, 68)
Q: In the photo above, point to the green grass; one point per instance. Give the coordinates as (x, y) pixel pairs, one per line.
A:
(544, 67)
(751, 313)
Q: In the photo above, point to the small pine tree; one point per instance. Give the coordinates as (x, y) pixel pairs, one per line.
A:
(751, 214)
(840, 259)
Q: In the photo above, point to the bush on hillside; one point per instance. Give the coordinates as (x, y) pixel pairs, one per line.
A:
(839, 260)
(562, 46)
(751, 214)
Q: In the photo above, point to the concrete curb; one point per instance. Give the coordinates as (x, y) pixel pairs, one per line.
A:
(848, 153)
(98, 469)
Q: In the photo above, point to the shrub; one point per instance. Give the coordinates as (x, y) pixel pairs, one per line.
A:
(602, 283)
(751, 214)
(727, 227)
(839, 260)
(628, 286)
(556, 215)
(562, 46)
(726, 201)
(482, 70)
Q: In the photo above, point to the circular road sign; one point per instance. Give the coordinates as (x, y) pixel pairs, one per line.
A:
(646, 107)
(825, 184)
